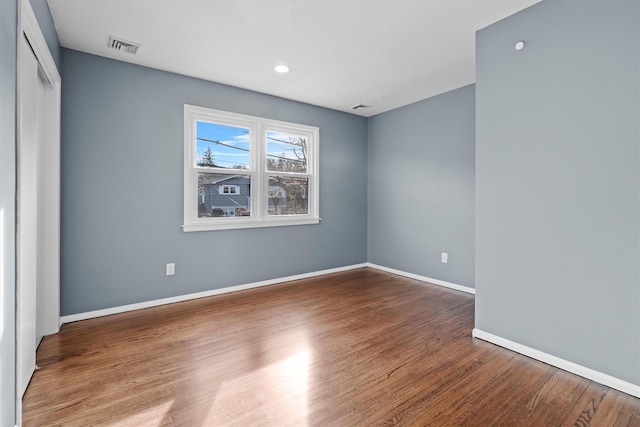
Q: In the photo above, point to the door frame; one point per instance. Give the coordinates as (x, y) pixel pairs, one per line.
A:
(50, 238)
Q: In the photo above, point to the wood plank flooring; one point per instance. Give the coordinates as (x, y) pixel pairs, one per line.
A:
(359, 348)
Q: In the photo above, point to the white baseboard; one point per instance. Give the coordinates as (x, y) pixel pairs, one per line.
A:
(424, 279)
(180, 298)
(599, 377)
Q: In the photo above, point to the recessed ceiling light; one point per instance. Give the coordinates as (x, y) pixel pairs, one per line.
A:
(281, 68)
(520, 45)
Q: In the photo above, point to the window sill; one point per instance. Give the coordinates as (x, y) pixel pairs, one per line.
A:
(240, 224)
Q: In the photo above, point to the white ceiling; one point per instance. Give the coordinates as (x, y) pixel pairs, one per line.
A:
(382, 53)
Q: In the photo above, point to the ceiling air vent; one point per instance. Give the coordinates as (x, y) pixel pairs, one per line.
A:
(123, 45)
(359, 107)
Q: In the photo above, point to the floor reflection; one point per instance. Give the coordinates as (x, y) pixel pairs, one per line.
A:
(271, 394)
(150, 417)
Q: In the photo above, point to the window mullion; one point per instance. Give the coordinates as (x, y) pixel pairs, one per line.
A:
(258, 165)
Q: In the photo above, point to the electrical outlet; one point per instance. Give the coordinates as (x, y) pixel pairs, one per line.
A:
(171, 268)
(444, 257)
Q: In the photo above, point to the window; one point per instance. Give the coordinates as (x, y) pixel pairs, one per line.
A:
(229, 189)
(243, 171)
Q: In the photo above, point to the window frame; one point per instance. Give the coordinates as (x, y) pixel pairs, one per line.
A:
(259, 176)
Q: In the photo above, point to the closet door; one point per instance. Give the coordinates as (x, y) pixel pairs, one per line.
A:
(29, 213)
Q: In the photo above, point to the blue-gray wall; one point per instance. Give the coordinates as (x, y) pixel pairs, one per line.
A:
(421, 187)
(557, 182)
(8, 55)
(45, 22)
(122, 190)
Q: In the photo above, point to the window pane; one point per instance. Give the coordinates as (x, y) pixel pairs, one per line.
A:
(288, 196)
(221, 194)
(222, 146)
(286, 152)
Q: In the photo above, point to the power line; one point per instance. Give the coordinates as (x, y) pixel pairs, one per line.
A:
(286, 158)
(222, 143)
(298, 144)
(229, 161)
(246, 149)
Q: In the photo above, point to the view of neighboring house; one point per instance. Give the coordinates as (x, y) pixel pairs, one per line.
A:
(230, 195)
(224, 195)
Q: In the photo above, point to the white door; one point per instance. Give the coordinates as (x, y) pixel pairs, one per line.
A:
(38, 198)
(29, 214)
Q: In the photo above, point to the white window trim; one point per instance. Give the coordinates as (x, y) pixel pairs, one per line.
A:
(258, 127)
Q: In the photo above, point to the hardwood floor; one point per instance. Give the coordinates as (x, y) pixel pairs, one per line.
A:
(359, 348)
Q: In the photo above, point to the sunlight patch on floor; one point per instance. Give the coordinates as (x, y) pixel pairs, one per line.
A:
(155, 416)
(278, 393)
